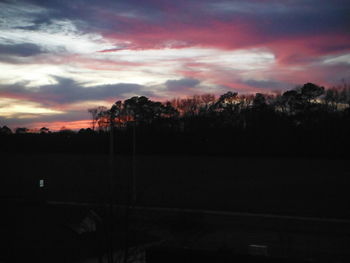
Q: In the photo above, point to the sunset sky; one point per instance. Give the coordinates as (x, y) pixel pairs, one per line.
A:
(59, 58)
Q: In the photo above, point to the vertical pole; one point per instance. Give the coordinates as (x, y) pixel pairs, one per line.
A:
(111, 181)
(134, 195)
(130, 195)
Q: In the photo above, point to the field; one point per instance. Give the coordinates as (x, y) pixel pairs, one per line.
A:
(304, 187)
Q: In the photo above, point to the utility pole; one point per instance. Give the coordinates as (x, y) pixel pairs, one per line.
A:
(111, 188)
(130, 194)
(134, 195)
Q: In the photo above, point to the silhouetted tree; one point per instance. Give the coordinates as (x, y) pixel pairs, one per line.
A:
(292, 101)
(118, 114)
(5, 130)
(96, 114)
(21, 130)
(168, 111)
(188, 107)
(143, 109)
(85, 131)
(246, 100)
(259, 101)
(344, 97)
(226, 102)
(102, 118)
(311, 92)
(44, 130)
(331, 99)
(65, 130)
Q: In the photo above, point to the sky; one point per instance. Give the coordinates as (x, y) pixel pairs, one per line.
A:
(58, 58)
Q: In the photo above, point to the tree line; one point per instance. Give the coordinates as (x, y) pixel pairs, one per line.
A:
(306, 120)
(229, 109)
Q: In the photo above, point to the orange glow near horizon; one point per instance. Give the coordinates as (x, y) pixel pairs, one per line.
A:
(71, 125)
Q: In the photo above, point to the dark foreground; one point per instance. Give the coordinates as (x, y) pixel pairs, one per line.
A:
(81, 233)
(267, 210)
(284, 186)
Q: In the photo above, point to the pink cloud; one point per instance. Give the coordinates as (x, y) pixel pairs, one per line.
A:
(214, 34)
(300, 50)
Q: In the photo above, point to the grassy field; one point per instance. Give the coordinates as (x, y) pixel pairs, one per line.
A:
(279, 186)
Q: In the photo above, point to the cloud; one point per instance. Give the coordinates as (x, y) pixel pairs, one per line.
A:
(15, 108)
(251, 7)
(181, 84)
(19, 13)
(85, 27)
(79, 119)
(268, 85)
(340, 59)
(69, 91)
(22, 50)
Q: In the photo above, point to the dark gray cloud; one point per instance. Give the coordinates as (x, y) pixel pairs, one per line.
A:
(69, 91)
(272, 18)
(22, 50)
(181, 84)
(268, 84)
(285, 18)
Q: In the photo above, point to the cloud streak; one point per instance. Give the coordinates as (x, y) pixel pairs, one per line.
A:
(69, 91)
